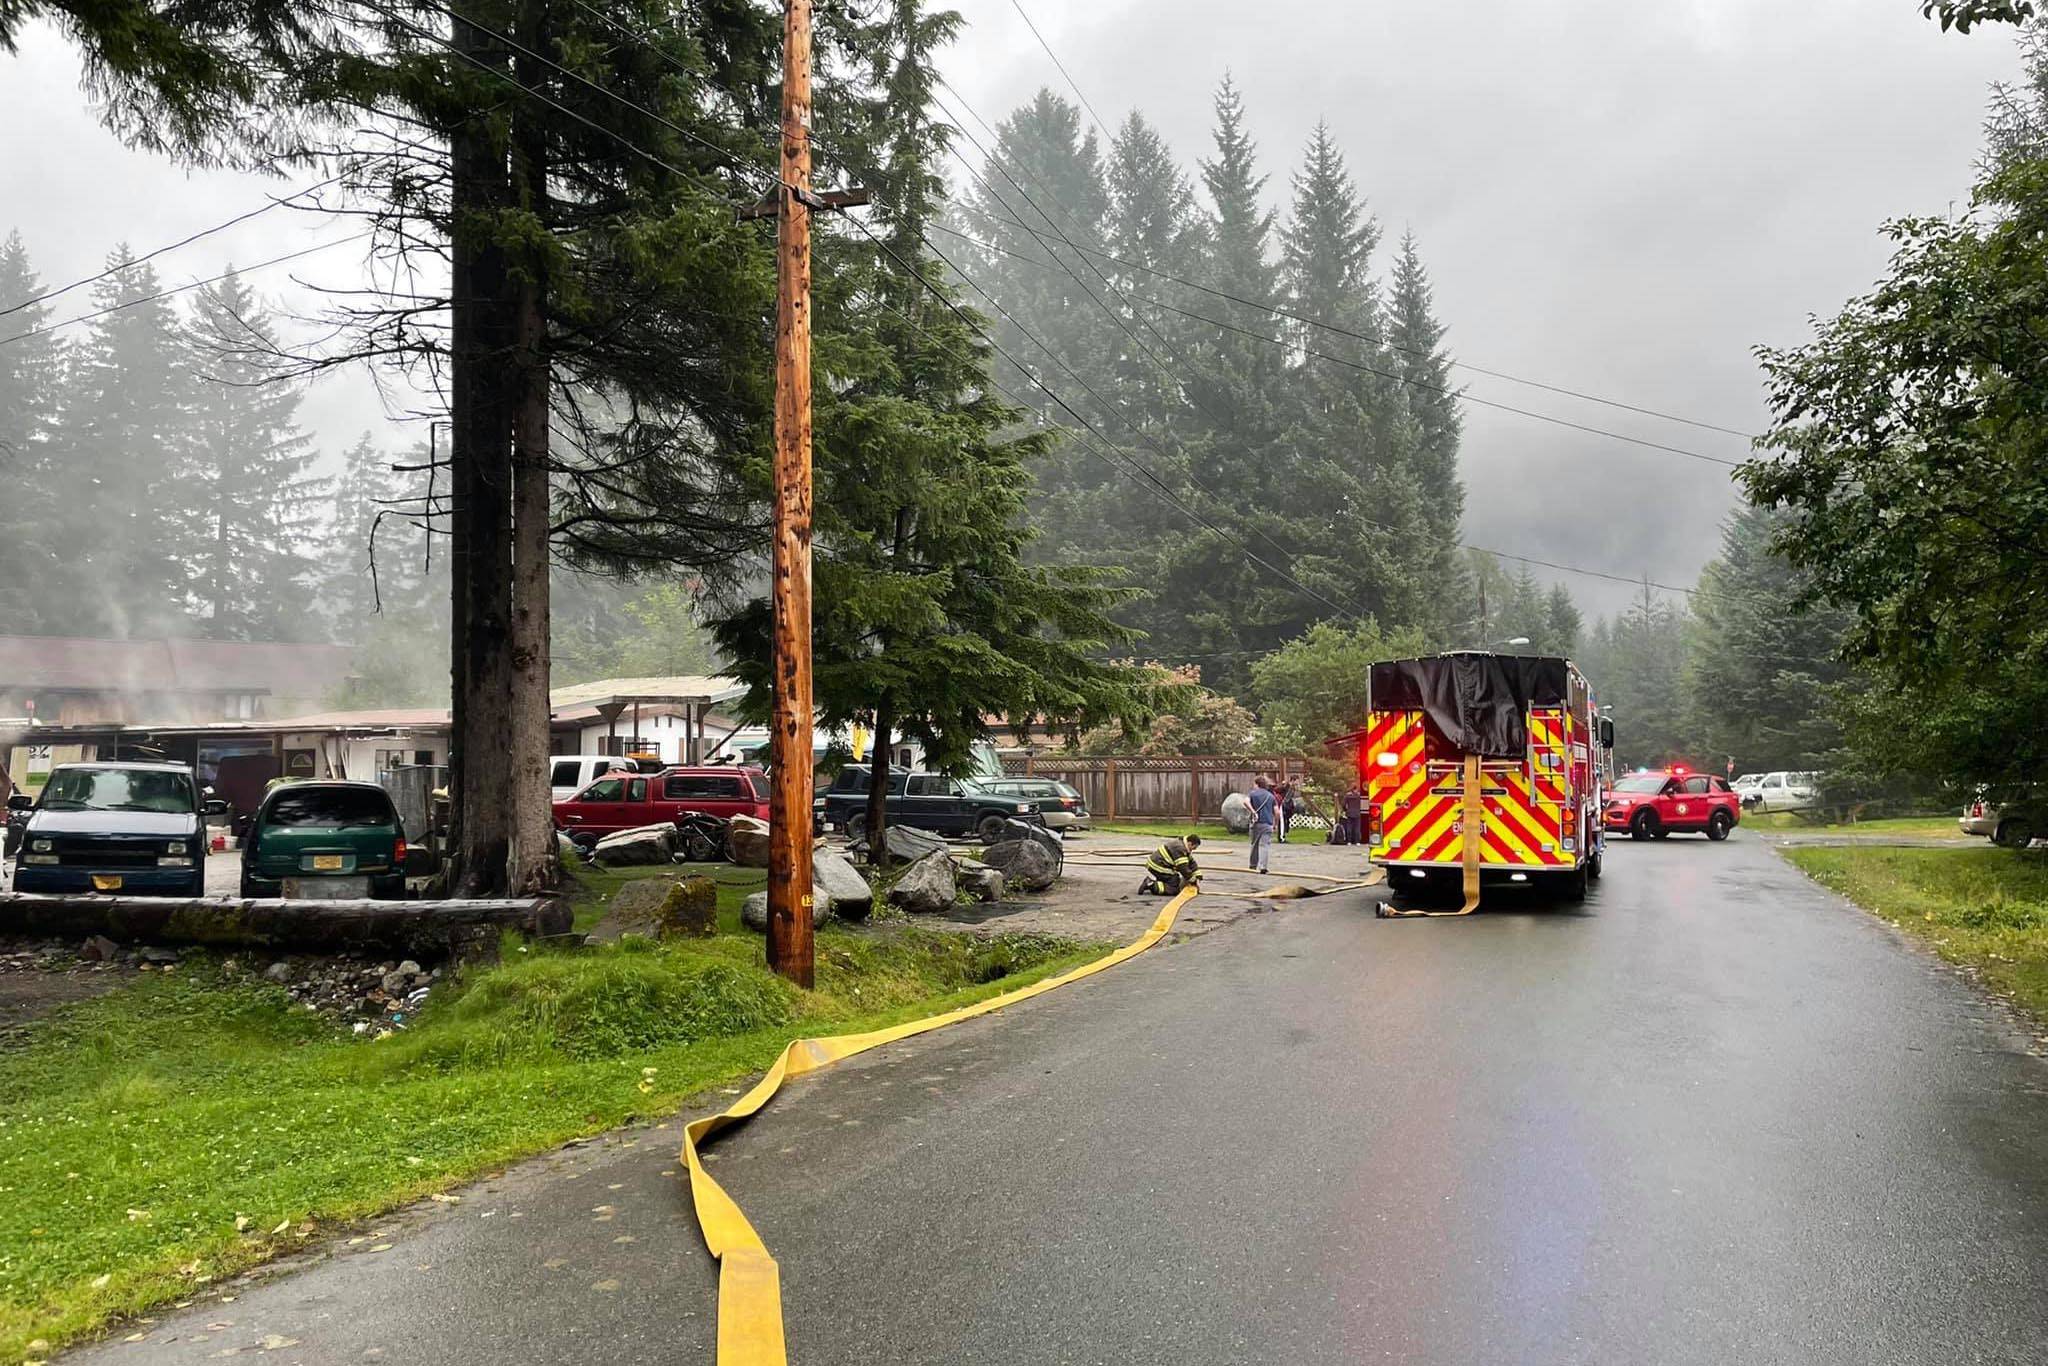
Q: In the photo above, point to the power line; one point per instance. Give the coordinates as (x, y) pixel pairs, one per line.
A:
(972, 324)
(1102, 125)
(915, 274)
(1100, 122)
(49, 294)
(180, 289)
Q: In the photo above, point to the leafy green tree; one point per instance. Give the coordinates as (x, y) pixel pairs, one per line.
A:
(1313, 687)
(1197, 722)
(31, 373)
(2016, 130)
(249, 487)
(1963, 15)
(1907, 455)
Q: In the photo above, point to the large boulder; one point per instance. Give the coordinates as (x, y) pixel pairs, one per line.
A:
(906, 844)
(689, 911)
(1024, 864)
(754, 911)
(746, 842)
(927, 886)
(1037, 834)
(1237, 813)
(980, 881)
(637, 848)
(833, 875)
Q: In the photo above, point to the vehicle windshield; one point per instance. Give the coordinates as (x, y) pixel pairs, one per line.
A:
(1642, 782)
(119, 789)
(331, 808)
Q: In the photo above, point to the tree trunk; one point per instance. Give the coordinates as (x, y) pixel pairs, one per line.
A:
(480, 455)
(531, 864)
(412, 928)
(878, 789)
(885, 725)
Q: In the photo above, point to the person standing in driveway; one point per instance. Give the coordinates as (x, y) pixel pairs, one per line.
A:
(1265, 811)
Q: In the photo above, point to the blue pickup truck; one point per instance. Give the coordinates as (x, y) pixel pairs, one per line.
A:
(130, 829)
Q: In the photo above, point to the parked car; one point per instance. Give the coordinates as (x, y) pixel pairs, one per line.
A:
(138, 829)
(926, 801)
(2009, 828)
(569, 774)
(1061, 805)
(1745, 787)
(1783, 792)
(331, 840)
(1659, 802)
(626, 801)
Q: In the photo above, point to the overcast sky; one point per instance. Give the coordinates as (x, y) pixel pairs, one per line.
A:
(1616, 196)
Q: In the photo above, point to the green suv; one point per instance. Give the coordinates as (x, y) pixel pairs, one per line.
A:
(325, 840)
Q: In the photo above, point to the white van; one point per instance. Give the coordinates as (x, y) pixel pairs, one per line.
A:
(1783, 792)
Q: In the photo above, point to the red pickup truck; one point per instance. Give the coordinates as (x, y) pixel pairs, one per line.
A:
(626, 801)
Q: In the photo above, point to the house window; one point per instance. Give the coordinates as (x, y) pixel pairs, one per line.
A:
(239, 706)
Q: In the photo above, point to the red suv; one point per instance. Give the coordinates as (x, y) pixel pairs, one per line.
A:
(626, 801)
(1655, 802)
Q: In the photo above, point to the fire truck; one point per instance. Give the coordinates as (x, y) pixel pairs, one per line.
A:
(1481, 769)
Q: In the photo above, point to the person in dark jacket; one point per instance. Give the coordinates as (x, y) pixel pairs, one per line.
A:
(1172, 867)
(1354, 813)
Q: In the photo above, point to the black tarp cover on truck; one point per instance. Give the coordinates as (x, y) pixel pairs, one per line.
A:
(1479, 703)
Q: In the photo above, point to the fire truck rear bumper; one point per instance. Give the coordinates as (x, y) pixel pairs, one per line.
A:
(1490, 875)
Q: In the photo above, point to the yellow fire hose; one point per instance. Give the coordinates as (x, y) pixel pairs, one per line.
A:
(749, 1282)
(1473, 826)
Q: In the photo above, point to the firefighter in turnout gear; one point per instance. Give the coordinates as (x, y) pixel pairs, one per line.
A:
(1172, 867)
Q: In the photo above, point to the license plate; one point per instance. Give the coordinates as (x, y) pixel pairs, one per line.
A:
(326, 888)
(106, 882)
(327, 863)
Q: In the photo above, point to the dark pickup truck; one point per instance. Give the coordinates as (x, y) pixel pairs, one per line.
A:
(926, 801)
(135, 829)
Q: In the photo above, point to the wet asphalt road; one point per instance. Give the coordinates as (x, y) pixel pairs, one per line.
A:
(1714, 1116)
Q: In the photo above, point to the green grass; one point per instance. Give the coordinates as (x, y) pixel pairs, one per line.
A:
(592, 887)
(192, 1124)
(1791, 821)
(1982, 906)
(1159, 830)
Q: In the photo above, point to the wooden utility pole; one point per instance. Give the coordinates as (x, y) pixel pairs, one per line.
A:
(790, 950)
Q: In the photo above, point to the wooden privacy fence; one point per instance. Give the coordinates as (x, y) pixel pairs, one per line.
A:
(1168, 788)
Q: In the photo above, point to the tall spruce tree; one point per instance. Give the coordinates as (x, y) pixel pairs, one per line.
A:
(1636, 662)
(1219, 596)
(1352, 514)
(121, 449)
(1762, 665)
(1415, 338)
(928, 620)
(31, 372)
(251, 492)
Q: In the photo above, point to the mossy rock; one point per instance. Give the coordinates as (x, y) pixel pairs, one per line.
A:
(690, 910)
